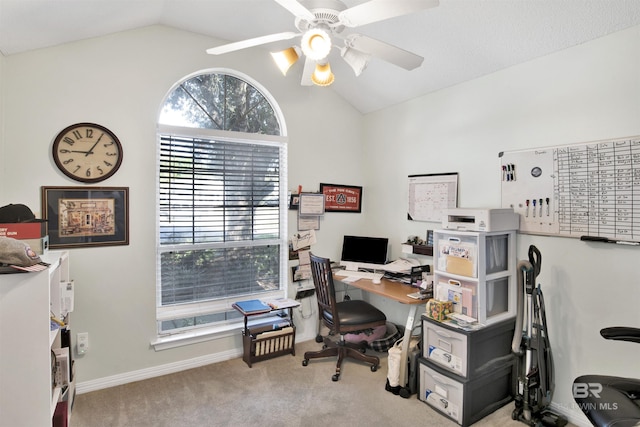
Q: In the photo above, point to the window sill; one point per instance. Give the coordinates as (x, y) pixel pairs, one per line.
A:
(180, 339)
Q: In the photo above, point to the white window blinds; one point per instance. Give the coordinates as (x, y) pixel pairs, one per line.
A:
(219, 218)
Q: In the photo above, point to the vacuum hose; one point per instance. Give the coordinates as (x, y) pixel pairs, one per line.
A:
(523, 266)
(528, 284)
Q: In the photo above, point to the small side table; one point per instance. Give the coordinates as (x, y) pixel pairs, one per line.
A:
(272, 338)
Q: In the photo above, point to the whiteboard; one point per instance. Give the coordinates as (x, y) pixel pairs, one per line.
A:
(431, 194)
(587, 189)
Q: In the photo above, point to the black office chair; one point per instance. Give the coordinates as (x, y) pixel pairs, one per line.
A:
(607, 400)
(341, 318)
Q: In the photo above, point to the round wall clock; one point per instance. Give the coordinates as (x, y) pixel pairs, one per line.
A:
(87, 152)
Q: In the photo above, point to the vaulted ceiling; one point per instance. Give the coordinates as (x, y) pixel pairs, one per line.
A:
(459, 39)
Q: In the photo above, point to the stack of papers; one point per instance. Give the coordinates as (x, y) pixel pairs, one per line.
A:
(400, 265)
(278, 303)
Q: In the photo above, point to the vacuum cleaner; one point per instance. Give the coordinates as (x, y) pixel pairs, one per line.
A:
(531, 347)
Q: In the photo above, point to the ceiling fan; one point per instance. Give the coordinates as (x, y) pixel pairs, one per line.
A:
(320, 24)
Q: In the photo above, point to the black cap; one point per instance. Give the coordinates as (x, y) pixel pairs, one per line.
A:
(16, 213)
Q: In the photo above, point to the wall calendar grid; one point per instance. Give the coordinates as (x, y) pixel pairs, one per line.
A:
(588, 189)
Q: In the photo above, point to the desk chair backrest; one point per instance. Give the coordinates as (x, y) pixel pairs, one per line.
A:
(617, 403)
(341, 318)
(325, 291)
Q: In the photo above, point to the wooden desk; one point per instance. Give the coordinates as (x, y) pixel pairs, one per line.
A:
(387, 288)
(398, 292)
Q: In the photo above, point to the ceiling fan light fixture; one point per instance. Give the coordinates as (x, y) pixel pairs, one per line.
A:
(316, 44)
(322, 76)
(357, 60)
(285, 59)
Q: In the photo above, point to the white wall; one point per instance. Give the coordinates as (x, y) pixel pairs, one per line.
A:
(585, 93)
(120, 81)
(2, 155)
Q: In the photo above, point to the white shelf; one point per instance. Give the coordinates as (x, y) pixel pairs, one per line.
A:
(26, 395)
(53, 335)
(57, 392)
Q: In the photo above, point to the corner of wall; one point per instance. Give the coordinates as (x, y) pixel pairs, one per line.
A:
(2, 156)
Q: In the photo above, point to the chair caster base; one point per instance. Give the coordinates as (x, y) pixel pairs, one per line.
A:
(305, 362)
(335, 377)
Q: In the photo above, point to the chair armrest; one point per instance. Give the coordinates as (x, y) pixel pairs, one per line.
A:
(621, 333)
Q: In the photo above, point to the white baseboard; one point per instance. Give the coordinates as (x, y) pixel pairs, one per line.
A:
(157, 371)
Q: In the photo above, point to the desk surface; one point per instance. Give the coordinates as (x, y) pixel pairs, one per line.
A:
(387, 288)
(398, 292)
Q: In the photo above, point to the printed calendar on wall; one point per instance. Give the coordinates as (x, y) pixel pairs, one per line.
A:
(588, 189)
(431, 194)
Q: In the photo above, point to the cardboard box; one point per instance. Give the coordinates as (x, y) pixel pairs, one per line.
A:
(438, 310)
(23, 230)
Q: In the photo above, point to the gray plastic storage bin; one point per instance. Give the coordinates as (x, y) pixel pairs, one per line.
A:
(467, 353)
(462, 400)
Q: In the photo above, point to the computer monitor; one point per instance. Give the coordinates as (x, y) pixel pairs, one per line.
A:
(364, 252)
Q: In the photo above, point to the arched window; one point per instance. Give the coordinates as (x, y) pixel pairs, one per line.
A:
(221, 219)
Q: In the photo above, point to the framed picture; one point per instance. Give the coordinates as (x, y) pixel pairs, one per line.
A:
(311, 204)
(431, 194)
(308, 223)
(342, 198)
(86, 216)
(294, 201)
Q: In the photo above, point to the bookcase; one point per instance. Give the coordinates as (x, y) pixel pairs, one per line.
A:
(29, 395)
(267, 334)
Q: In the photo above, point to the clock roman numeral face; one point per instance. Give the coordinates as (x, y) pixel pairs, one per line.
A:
(87, 152)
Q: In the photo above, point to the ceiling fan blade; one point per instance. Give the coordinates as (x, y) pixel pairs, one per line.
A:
(230, 47)
(297, 9)
(384, 51)
(307, 71)
(379, 10)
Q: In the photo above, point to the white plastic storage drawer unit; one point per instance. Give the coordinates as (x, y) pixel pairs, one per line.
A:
(466, 401)
(467, 353)
(477, 272)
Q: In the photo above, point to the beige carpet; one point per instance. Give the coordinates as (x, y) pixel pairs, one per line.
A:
(277, 392)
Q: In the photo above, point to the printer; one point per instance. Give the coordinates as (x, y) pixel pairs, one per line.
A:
(464, 219)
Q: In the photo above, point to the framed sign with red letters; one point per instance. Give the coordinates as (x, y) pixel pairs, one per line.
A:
(342, 198)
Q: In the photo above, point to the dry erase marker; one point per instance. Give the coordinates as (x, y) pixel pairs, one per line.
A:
(547, 206)
(607, 240)
(534, 207)
(540, 208)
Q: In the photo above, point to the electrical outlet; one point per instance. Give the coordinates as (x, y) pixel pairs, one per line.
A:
(82, 343)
